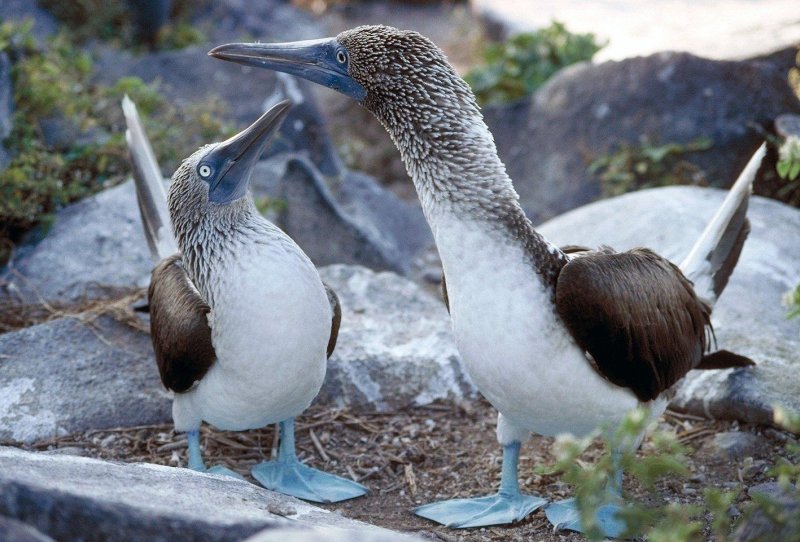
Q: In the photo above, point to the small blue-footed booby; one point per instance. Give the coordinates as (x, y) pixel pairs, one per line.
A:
(557, 340)
(241, 323)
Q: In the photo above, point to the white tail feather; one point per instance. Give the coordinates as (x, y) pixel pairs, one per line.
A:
(149, 186)
(700, 266)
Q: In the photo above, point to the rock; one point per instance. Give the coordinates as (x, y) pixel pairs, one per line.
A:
(767, 489)
(364, 224)
(95, 249)
(6, 108)
(17, 11)
(733, 445)
(17, 531)
(749, 317)
(780, 520)
(76, 498)
(587, 111)
(330, 534)
(394, 350)
(65, 376)
(395, 346)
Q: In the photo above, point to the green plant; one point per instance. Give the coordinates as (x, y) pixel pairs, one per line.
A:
(792, 300)
(517, 67)
(645, 165)
(54, 84)
(788, 165)
(112, 21)
(590, 481)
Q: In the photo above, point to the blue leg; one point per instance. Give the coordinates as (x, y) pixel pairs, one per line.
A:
(196, 458)
(564, 514)
(289, 476)
(506, 506)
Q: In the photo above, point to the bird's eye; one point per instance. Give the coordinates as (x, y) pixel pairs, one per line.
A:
(341, 56)
(204, 171)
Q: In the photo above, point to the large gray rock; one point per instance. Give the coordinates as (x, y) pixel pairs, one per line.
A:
(362, 222)
(66, 376)
(586, 111)
(394, 350)
(395, 346)
(95, 248)
(749, 317)
(75, 498)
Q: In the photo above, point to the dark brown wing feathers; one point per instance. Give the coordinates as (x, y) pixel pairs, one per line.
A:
(336, 320)
(178, 326)
(636, 315)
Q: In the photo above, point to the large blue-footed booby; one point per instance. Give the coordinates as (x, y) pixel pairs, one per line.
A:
(241, 323)
(557, 340)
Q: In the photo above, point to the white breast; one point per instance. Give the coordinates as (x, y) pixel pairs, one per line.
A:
(270, 327)
(516, 350)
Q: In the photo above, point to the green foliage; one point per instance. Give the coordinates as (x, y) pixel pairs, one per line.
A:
(111, 20)
(788, 165)
(632, 167)
(792, 300)
(590, 481)
(516, 68)
(54, 85)
(671, 522)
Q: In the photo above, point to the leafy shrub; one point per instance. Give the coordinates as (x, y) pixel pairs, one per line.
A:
(520, 65)
(646, 165)
(671, 522)
(54, 85)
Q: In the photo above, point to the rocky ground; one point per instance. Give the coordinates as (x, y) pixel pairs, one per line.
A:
(415, 456)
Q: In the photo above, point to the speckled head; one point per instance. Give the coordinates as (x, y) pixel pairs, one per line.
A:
(214, 180)
(399, 75)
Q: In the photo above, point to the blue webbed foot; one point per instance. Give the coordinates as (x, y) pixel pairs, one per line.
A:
(294, 478)
(289, 476)
(564, 515)
(495, 509)
(196, 458)
(507, 506)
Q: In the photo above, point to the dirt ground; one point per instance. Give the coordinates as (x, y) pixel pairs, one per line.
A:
(425, 454)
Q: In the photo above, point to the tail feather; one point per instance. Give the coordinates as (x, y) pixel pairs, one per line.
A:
(149, 186)
(711, 261)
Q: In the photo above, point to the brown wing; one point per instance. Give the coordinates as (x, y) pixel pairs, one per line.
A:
(178, 326)
(336, 320)
(636, 315)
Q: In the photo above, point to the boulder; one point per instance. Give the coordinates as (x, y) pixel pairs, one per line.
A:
(395, 346)
(86, 371)
(733, 445)
(749, 317)
(587, 111)
(76, 498)
(95, 248)
(364, 223)
(67, 376)
(17, 531)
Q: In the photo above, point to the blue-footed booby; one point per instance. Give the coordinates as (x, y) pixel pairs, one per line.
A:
(557, 340)
(241, 323)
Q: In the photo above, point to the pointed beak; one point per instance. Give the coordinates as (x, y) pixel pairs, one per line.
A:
(321, 61)
(238, 155)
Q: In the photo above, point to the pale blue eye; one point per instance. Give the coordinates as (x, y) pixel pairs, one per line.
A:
(341, 57)
(204, 171)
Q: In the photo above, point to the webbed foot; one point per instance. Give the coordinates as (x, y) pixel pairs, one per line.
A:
(298, 480)
(495, 509)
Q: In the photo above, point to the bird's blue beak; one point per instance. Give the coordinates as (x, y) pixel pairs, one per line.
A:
(324, 61)
(230, 164)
